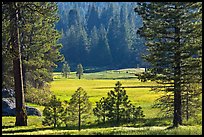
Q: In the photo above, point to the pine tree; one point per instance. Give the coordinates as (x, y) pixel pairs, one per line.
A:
(79, 106)
(106, 15)
(100, 43)
(79, 70)
(119, 103)
(101, 110)
(169, 29)
(7, 67)
(21, 115)
(73, 18)
(93, 19)
(75, 41)
(65, 69)
(113, 35)
(138, 114)
(53, 112)
(116, 108)
(36, 40)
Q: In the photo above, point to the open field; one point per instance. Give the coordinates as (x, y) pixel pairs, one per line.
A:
(97, 85)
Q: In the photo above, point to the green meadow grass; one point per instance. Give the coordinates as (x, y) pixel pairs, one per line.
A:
(182, 130)
(97, 85)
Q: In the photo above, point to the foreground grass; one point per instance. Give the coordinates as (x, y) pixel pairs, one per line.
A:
(35, 128)
(182, 130)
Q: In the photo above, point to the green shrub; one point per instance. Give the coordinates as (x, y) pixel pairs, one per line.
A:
(38, 96)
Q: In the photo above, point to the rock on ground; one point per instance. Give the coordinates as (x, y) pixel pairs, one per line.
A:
(9, 105)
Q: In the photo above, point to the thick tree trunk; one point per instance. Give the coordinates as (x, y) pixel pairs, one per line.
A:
(177, 83)
(21, 116)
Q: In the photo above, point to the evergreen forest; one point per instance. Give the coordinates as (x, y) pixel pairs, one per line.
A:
(100, 34)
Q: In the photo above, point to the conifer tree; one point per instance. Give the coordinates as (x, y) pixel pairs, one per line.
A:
(79, 70)
(65, 69)
(34, 31)
(119, 102)
(101, 110)
(21, 115)
(116, 108)
(79, 106)
(138, 114)
(53, 112)
(173, 36)
(93, 18)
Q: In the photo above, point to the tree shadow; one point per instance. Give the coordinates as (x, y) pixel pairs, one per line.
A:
(159, 121)
(5, 127)
(26, 130)
(162, 121)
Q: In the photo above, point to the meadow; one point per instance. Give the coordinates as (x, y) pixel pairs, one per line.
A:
(97, 85)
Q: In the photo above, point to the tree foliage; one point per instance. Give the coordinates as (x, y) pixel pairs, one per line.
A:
(96, 34)
(79, 70)
(173, 37)
(79, 107)
(65, 69)
(52, 112)
(38, 44)
(116, 108)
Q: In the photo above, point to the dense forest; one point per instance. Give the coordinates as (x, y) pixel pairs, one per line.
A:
(100, 34)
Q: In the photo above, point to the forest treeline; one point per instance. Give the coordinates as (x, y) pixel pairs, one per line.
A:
(101, 34)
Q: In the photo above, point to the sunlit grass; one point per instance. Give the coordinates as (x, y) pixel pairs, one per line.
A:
(182, 130)
(63, 88)
(97, 85)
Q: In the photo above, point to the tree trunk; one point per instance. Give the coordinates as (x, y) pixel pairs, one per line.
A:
(187, 114)
(79, 120)
(117, 108)
(55, 117)
(21, 115)
(24, 77)
(177, 82)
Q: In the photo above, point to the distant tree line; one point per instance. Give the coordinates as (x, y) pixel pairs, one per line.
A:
(102, 35)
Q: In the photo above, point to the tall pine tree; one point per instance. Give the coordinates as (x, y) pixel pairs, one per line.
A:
(170, 30)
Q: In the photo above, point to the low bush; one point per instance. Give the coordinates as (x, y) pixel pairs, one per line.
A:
(38, 96)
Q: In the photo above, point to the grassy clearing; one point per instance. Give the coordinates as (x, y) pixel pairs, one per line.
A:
(97, 85)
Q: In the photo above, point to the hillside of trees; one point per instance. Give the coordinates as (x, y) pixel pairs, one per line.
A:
(100, 34)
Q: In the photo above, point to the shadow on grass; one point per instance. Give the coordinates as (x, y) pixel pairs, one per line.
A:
(5, 127)
(131, 87)
(161, 121)
(107, 124)
(118, 78)
(27, 130)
